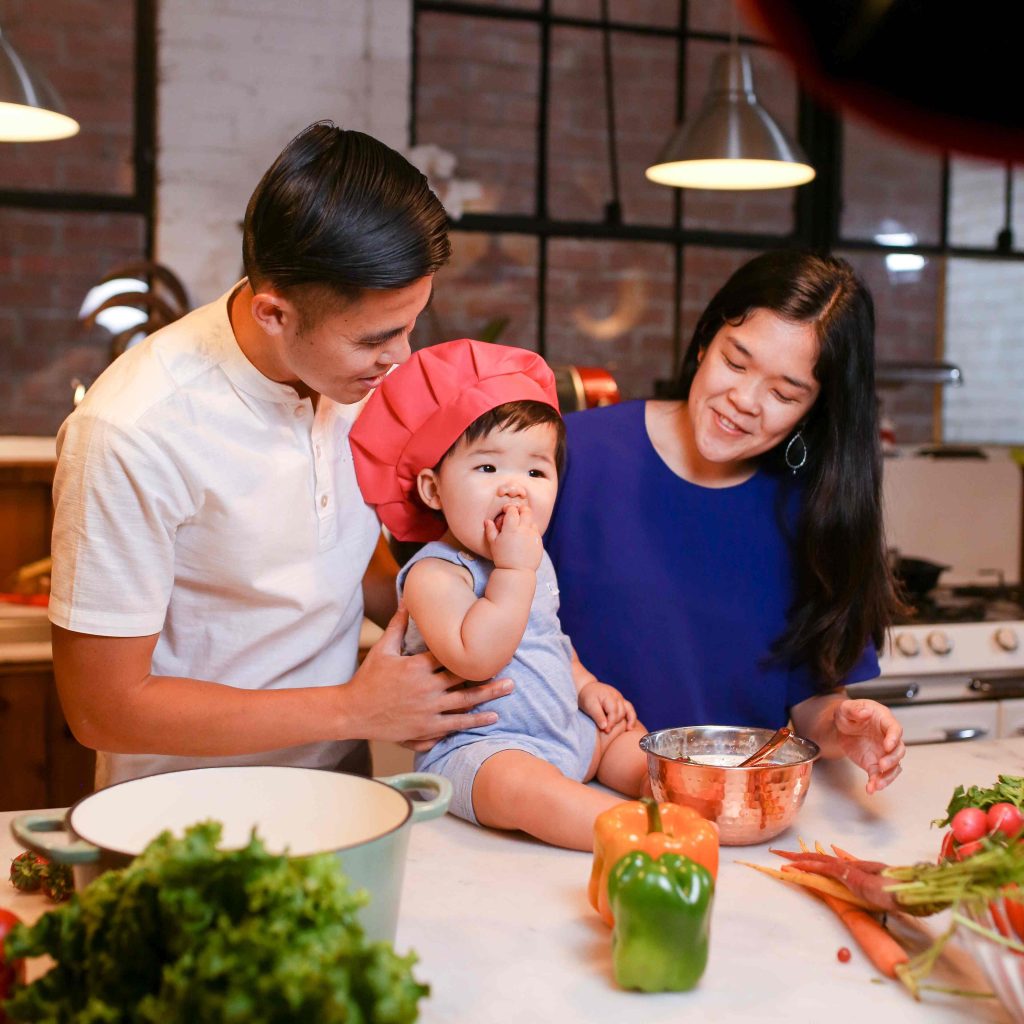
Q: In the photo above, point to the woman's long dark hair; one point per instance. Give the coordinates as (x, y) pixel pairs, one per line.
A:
(845, 593)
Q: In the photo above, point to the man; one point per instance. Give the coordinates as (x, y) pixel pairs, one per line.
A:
(212, 553)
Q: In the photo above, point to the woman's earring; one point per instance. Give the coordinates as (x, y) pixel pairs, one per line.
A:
(796, 460)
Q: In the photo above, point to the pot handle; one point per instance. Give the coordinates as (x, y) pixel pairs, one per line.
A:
(30, 829)
(423, 810)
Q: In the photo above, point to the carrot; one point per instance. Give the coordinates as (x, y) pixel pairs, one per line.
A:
(879, 946)
(841, 853)
(819, 884)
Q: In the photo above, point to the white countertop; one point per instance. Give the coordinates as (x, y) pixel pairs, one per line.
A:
(15, 450)
(24, 632)
(505, 934)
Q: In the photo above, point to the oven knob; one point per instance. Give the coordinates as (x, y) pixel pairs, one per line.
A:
(939, 643)
(1007, 638)
(907, 645)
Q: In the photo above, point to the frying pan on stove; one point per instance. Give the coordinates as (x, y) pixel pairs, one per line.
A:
(917, 576)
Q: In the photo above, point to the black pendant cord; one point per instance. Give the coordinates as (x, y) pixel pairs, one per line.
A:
(1004, 240)
(613, 210)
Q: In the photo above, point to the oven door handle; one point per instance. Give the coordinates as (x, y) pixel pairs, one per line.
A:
(970, 732)
(967, 733)
(887, 693)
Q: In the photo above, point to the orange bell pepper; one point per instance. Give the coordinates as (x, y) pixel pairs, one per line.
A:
(654, 828)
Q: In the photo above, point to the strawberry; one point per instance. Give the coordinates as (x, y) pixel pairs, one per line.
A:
(26, 871)
(57, 882)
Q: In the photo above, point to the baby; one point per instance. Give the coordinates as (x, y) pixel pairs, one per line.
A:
(462, 446)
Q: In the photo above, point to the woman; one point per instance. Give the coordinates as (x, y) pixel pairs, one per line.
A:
(720, 556)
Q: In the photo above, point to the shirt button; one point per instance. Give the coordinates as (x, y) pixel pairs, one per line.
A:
(323, 501)
(298, 412)
(318, 451)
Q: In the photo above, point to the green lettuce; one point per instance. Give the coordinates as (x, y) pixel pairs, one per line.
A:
(190, 934)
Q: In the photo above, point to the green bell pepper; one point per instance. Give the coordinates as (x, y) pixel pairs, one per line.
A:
(662, 914)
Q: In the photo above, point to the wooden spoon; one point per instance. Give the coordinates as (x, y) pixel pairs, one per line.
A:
(770, 747)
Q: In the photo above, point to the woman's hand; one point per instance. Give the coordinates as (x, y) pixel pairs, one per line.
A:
(606, 706)
(870, 736)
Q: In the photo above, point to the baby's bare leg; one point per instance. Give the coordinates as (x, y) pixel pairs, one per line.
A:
(515, 790)
(623, 765)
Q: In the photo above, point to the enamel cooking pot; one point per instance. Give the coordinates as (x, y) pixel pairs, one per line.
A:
(301, 811)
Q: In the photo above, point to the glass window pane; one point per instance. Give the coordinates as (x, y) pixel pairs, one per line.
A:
(977, 203)
(610, 305)
(983, 329)
(644, 74)
(659, 13)
(48, 263)
(490, 283)
(769, 211)
(907, 328)
(890, 188)
(90, 60)
(476, 96)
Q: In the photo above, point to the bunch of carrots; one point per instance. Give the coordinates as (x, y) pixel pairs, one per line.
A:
(856, 911)
(857, 891)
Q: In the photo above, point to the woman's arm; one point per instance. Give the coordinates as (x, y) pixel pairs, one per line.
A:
(863, 730)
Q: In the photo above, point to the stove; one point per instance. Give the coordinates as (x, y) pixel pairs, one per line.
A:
(953, 668)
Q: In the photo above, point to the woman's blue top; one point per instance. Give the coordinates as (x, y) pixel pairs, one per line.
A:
(673, 592)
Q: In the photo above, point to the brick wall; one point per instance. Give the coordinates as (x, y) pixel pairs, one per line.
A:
(49, 259)
(238, 79)
(86, 49)
(612, 303)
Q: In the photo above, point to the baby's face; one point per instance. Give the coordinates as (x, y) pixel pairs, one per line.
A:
(506, 467)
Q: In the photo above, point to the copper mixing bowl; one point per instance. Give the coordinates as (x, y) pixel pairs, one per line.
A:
(749, 805)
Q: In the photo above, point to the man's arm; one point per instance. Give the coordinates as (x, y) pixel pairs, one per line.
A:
(112, 701)
(380, 600)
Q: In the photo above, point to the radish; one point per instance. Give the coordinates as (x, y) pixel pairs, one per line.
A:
(1005, 818)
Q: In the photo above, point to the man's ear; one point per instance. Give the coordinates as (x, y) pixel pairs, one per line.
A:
(426, 487)
(272, 311)
(700, 355)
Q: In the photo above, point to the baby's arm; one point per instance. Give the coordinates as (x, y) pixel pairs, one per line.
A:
(476, 637)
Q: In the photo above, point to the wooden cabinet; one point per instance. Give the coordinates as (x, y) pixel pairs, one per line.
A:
(26, 514)
(41, 763)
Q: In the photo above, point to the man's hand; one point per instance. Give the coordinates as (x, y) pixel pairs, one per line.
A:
(517, 543)
(606, 706)
(870, 736)
(412, 700)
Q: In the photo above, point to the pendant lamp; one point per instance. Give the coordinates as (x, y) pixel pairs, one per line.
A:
(732, 142)
(30, 109)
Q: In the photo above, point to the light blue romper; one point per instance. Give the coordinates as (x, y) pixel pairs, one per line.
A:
(539, 716)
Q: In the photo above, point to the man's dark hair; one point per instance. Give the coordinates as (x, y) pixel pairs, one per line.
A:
(339, 210)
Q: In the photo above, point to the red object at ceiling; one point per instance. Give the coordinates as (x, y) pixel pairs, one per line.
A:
(946, 75)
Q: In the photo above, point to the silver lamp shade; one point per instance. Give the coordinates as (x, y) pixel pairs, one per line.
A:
(30, 109)
(732, 142)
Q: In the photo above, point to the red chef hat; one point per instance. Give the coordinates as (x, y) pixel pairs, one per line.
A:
(422, 408)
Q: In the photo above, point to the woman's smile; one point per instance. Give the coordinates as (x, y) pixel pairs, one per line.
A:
(728, 425)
